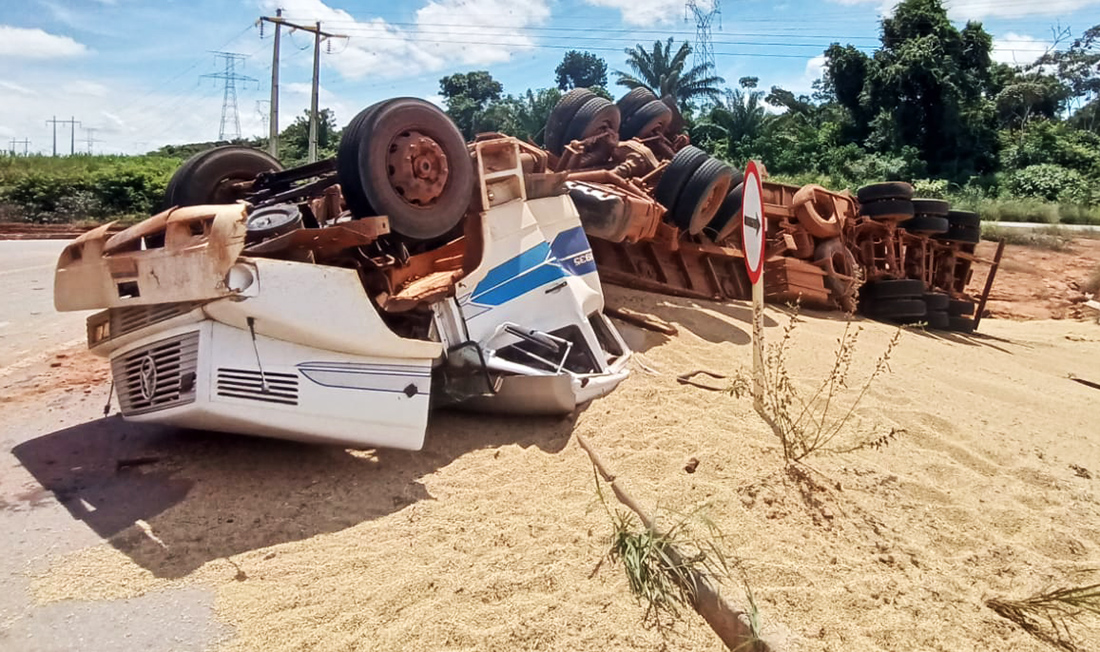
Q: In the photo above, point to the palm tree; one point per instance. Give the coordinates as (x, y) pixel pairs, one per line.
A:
(663, 73)
(730, 129)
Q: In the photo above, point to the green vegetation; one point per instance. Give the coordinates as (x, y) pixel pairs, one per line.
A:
(664, 73)
(929, 106)
(76, 188)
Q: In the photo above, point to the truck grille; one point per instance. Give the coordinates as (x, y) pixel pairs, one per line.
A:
(248, 384)
(116, 322)
(157, 376)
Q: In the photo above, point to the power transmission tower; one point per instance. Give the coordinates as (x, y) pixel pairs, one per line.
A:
(229, 98)
(23, 142)
(263, 113)
(90, 138)
(318, 36)
(704, 18)
(73, 122)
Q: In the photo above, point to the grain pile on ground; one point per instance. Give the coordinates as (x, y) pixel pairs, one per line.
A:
(488, 538)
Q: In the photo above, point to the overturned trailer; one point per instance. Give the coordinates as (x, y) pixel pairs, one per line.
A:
(664, 216)
(340, 301)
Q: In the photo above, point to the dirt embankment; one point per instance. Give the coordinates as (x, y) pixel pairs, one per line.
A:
(1035, 283)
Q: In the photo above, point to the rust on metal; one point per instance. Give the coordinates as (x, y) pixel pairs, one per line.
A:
(417, 168)
(994, 266)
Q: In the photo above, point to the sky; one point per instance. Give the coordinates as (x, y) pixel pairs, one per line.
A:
(131, 72)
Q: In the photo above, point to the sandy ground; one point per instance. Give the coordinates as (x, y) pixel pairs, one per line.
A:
(490, 538)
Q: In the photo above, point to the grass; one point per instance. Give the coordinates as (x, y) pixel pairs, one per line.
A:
(1053, 615)
(806, 425)
(663, 568)
(1050, 238)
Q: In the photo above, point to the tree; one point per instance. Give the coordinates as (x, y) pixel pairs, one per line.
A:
(1030, 96)
(926, 88)
(581, 70)
(294, 140)
(1078, 67)
(663, 73)
(466, 96)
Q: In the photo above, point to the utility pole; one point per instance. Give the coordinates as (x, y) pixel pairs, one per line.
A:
(91, 139)
(273, 116)
(229, 97)
(23, 142)
(73, 122)
(54, 122)
(318, 36)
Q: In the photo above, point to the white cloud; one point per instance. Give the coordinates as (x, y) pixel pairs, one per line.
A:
(977, 9)
(16, 88)
(1018, 49)
(155, 119)
(34, 43)
(445, 35)
(645, 12)
(85, 87)
(814, 68)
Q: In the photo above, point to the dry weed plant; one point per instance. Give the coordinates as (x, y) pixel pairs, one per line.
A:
(664, 582)
(1049, 615)
(808, 425)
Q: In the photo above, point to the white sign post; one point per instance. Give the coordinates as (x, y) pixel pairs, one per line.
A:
(753, 227)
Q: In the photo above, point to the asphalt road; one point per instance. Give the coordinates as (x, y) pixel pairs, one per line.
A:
(56, 467)
(28, 321)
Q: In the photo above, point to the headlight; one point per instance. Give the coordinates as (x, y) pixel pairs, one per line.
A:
(240, 277)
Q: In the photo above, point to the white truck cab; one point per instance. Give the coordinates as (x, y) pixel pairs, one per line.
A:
(203, 334)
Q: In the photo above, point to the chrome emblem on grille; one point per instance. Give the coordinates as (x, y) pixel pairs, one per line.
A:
(148, 377)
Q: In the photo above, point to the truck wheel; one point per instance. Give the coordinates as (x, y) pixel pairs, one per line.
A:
(904, 288)
(411, 164)
(964, 219)
(819, 218)
(888, 209)
(208, 177)
(961, 234)
(595, 116)
(925, 224)
(637, 98)
(562, 115)
(650, 120)
(843, 262)
(937, 320)
(960, 308)
(702, 195)
(730, 207)
(347, 164)
(961, 324)
(888, 190)
(936, 301)
(937, 207)
(270, 221)
(676, 175)
(897, 309)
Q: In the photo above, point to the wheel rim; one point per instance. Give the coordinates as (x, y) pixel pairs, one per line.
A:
(417, 167)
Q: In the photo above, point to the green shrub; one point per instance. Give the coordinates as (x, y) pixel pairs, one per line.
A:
(930, 188)
(77, 188)
(1050, 182)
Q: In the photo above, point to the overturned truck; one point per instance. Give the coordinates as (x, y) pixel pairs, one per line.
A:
(339, 301)
(664, 216)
